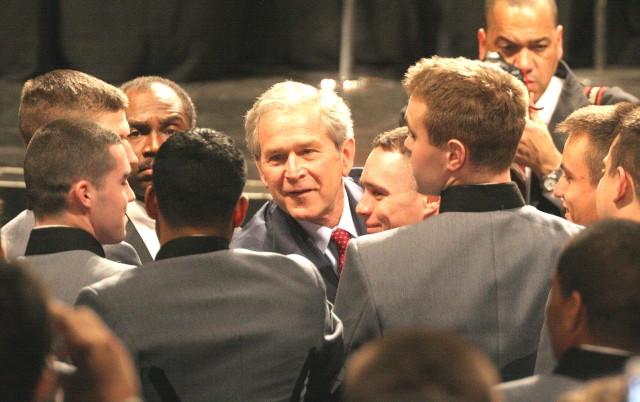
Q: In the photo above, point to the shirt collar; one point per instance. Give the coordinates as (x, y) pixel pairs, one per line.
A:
(56, 239)
(321, 235)
(549, 99)
(145, 226)
(190, 245)
(481, 198)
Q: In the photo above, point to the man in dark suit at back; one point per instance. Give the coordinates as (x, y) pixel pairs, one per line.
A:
(301, 139)
(207, 323)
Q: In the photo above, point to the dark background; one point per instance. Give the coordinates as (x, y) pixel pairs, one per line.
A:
(227, 52)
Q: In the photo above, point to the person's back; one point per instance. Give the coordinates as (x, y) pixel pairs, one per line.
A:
(207, 323)
(482, 266)
(78, 208)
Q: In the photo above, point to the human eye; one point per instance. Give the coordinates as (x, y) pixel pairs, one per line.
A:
(275, 158)
(134, 133)
(509, 49)
(540, 47)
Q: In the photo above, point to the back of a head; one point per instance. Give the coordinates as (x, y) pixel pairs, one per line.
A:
(602, 264)
(419, 364)
(198, 176)
(600, 124)
(25, 335)
(146, 82)
(626, 152)
(291, 97)
(61, 153)
(480, 105)
(64, 94)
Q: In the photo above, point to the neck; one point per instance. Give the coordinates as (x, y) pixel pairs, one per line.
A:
(473, 177)
(66, 218)
(167, 232)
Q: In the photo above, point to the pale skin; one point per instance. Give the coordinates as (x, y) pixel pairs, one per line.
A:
(527, 37)
(438, 168)
(616, 193)
(390, 197)
(302, 167)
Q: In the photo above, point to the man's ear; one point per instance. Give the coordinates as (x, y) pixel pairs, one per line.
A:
(574, 316)
(559, 35)
(624, 185)
(348, 153)
(482, 44)
(240, 211)
(431, 206)
(150, 202)
(81, 193)
(456, 155)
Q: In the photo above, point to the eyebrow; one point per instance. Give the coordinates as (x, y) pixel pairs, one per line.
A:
(515, 42)
(172, 119)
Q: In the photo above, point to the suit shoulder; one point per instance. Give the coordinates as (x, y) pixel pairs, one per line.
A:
(615, 95)
(255, 232)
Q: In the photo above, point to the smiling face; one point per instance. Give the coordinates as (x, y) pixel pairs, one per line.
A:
(302, 167)
(153, 114)
(575, 186)
(390, 196)
(107, 216)
(527, 37)
(428, 162)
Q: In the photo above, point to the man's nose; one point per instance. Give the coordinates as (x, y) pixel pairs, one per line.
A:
(560, 188)
(294, 166)
(131, 156)
(364, 206)
(523, 60)
(153, 141)
(129, 192)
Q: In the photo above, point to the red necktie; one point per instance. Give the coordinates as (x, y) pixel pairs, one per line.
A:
(340, 238)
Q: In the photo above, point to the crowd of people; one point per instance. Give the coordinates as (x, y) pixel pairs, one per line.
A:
(428, 274)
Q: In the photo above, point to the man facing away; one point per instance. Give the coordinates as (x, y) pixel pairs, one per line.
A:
(68, 94)
(590, 131)
(618, 193)
(526, 33)
(592, 311)
(482, 266)
(391, 198)
(301, 139)
(76, 177)
(158, 108)
(207, 323)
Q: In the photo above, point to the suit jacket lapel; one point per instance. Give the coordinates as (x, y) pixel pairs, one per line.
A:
(134, 238)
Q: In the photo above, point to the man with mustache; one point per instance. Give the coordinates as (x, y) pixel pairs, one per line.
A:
(526, 33)
(158, 108)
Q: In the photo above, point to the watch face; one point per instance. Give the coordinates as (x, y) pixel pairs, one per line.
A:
(550, 183)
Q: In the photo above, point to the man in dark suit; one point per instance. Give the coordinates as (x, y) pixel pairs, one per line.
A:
(592, 311)
(482, 266)
(301, 139)
(75, 172)
(158, 108)
(526, 34)
(68, 94)
(207, 323)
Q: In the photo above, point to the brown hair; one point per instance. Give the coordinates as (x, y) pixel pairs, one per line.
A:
(482, 106)
(65, 94)
(393, 141)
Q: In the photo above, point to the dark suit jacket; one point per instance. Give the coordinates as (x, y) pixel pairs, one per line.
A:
(575, 367)
(272, 229)
(134, 238)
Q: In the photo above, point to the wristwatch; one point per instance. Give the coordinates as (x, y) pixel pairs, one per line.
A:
(548, 181)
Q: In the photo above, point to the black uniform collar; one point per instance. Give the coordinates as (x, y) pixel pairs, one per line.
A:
(56, 239)
(481, 198)
(189, 245)
(585, 365)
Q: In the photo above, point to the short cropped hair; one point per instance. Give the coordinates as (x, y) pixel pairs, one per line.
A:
(600, 125)
(26, 335)
(602, 264)
(419, 364)
(61, 153)
(482, 106)
(198, 176)
(490, 4)
(65, 94)
(291, 97)
(147, 82)
(393, 141)
(626, 151)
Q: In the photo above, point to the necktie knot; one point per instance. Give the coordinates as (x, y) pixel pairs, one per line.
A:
(340, 238)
